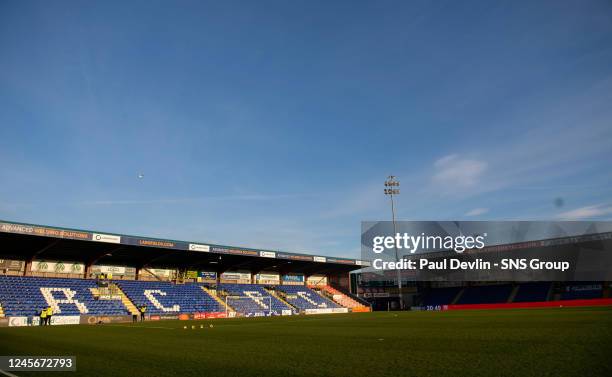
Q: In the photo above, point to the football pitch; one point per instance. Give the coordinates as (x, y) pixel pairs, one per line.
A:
(535, 342)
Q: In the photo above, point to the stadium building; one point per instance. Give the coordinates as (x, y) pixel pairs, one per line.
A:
(380, 288)
(92, 277)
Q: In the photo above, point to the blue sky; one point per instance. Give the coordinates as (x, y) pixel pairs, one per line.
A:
(274, 124)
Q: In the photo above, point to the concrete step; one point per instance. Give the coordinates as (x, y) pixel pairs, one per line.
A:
(213, 294)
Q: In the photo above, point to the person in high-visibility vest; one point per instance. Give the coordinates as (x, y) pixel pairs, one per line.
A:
(143, 309)
(43, 317)
(49, 315)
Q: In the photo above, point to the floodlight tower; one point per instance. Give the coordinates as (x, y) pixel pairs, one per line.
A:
(392, 188)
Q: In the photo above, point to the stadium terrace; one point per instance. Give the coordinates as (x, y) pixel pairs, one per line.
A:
(88, 277)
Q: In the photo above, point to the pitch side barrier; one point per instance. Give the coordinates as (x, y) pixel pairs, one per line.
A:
(519, 305)
(57, 320)
(22, 321)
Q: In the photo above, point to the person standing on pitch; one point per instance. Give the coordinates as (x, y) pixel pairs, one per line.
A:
(43, 317)
(143, 309)
(49, 315)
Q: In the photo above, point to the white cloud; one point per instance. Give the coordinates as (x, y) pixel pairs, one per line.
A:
(455, 171)
(587, 212)
(477, 212)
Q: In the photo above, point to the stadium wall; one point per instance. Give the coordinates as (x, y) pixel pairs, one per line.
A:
(538, 304)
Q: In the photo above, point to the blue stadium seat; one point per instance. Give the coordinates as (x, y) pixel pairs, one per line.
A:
(26, 296)
(303, 297)
(441, 296)
(486, 294)
(161, 297)
(581, 291)
(254, 304)
(532, 292)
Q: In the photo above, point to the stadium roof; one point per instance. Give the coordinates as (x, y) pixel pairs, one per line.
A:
(29, 241)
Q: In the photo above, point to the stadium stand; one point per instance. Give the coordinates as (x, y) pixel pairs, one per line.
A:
(252, 300)
(486, 294)
(441, 296)
(304, 298)
(528, 292)
(26, 296)
(519, 293)
(161, 297)
(213, 293)
(582, 291)
(129, 305)
(342, 299)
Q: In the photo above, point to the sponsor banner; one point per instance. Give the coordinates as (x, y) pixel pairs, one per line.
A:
(286, 312)
(316, 280)
(306, 258)
(267, 254)
(55, 320)
(199, 315)
(109, 297)
(207, 275)
(256, 314)
(163, 317)
(583, 287)
(65, 319)
(198, 247)
(213, 315)
(155, 243)
(268, 277)
(343, 261)
(18, 321)
(96, 319)
(236, 276)
(58, 267)
(115, 270)
(319, 259)
(4, 322)
(160, 272)
(184, 317)
(14, 265)
(326, 311)
(294, 278)
(108, 238)
(44, 231)
(224, 250)
(191, 274)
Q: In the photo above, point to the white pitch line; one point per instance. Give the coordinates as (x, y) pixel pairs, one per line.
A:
(7, 373)
(142, 327)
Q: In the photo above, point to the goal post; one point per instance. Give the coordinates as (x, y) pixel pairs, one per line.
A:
(263, 302)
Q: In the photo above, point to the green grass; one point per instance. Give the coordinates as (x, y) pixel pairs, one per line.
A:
(537, 342)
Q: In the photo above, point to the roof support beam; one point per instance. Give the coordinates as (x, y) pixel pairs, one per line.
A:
(28, 263)
(47, 247)
(97, 257)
